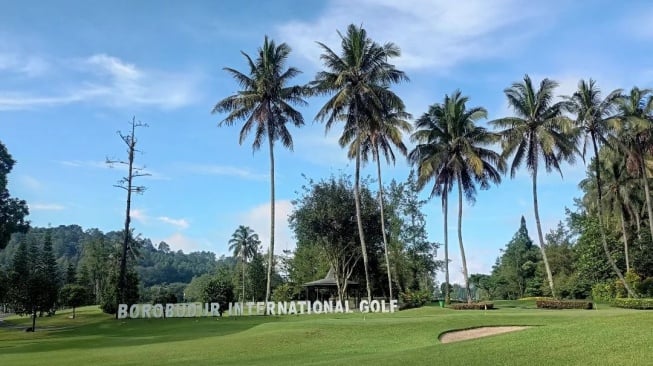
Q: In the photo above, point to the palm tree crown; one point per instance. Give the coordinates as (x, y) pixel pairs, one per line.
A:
(266, 105)
(359, 79)
(451, 148)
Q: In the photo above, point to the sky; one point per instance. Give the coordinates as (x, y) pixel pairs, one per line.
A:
(73, 73)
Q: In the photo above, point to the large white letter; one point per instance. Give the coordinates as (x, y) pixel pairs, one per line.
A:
(122, 311)
(292, 308)
(260, 307)
(338, 308)
(133, 311)
(157, 311)
(317, 307)
(270, 307)
(215, 309)
(282, 308)
(146, 310)
(393, 305)
(170, 310)
(363, 307)
(375, 306)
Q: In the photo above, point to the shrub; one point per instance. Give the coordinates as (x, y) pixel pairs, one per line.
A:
(564, 304)
(473, 306)
(414, 299)
(632, 279)
(536, 298)
(281, 293)
(603, 291)
(646, 287)
(642, 304)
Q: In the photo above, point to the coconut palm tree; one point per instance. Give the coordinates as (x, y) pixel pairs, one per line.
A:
(537, 134)
(450, 147)
(635, 137)
(357, 80)
(266, 103)
(244, 243)
(595, 117)
(379, 137)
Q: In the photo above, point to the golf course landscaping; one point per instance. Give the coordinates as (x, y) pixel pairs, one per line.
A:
(603, 336)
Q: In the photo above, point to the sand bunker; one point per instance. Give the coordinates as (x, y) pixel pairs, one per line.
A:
(462, 335)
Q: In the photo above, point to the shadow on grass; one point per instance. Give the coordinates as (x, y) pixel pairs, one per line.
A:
(109, 332)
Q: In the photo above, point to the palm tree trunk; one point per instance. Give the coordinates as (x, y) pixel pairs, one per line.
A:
(445, 211)
(648, 196)
(540, 236)
(242, 262)
(460, 240)
(359, 220)
(625, 237)
(385, 240)
(271, 249)
(604, 240)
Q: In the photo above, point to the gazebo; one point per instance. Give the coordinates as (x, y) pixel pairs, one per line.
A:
(326, 287)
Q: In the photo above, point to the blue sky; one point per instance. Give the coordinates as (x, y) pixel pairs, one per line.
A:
(74, 72)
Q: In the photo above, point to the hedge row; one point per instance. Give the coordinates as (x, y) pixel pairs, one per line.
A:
(564, 304)
(633, 303)
(473, 306)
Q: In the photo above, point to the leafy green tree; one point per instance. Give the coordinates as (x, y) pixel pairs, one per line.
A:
(538, 134)
(358, 79)
(219, 289)
(73, 295)
(325, 216)
(12, 210)
(244, 244)
(594, 116)
(266, 104)
(256, 275)
(517, 266)
(635, 137)
(26, 278)
(50, 276)
(451, 148)
(193, 292)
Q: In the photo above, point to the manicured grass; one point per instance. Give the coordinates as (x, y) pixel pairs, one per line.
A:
(607, 336)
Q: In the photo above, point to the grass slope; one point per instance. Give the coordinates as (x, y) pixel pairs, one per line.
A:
(596, 337)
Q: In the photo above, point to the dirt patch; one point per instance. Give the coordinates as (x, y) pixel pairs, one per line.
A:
(462, 335)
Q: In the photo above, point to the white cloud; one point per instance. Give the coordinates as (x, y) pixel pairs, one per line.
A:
(258, 218)
(178, 223)
(46, 207)
(226, 170)
(99, 78)
(139, 215)
(179, 241)
(436, 34)
(31, 182)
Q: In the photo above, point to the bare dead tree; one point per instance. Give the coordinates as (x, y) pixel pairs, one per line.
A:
(127, 184)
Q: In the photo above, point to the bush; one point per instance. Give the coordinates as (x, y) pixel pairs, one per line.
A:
(473, 306)
(536, 298)
(283, 292)
(564, 304)
(632, 279)
(642, 304)
(414, 299)
(646, 287)
(603, 291)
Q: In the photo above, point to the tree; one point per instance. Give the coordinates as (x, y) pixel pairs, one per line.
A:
(379, 137)
(26, 278)
(359, 79)
(12, 210)
(73, 295)
(324, 216)
(244, 244)
(594, 117)
(450, 147)
(127, 183)
(266, 104)
(256, 275)
(635, 137)
(219, 289)
(538, 133)
(517, 265)
(49, 275)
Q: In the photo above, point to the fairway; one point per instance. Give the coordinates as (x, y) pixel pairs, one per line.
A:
(608, 336)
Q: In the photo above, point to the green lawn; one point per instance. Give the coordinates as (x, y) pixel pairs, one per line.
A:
(607, 336)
